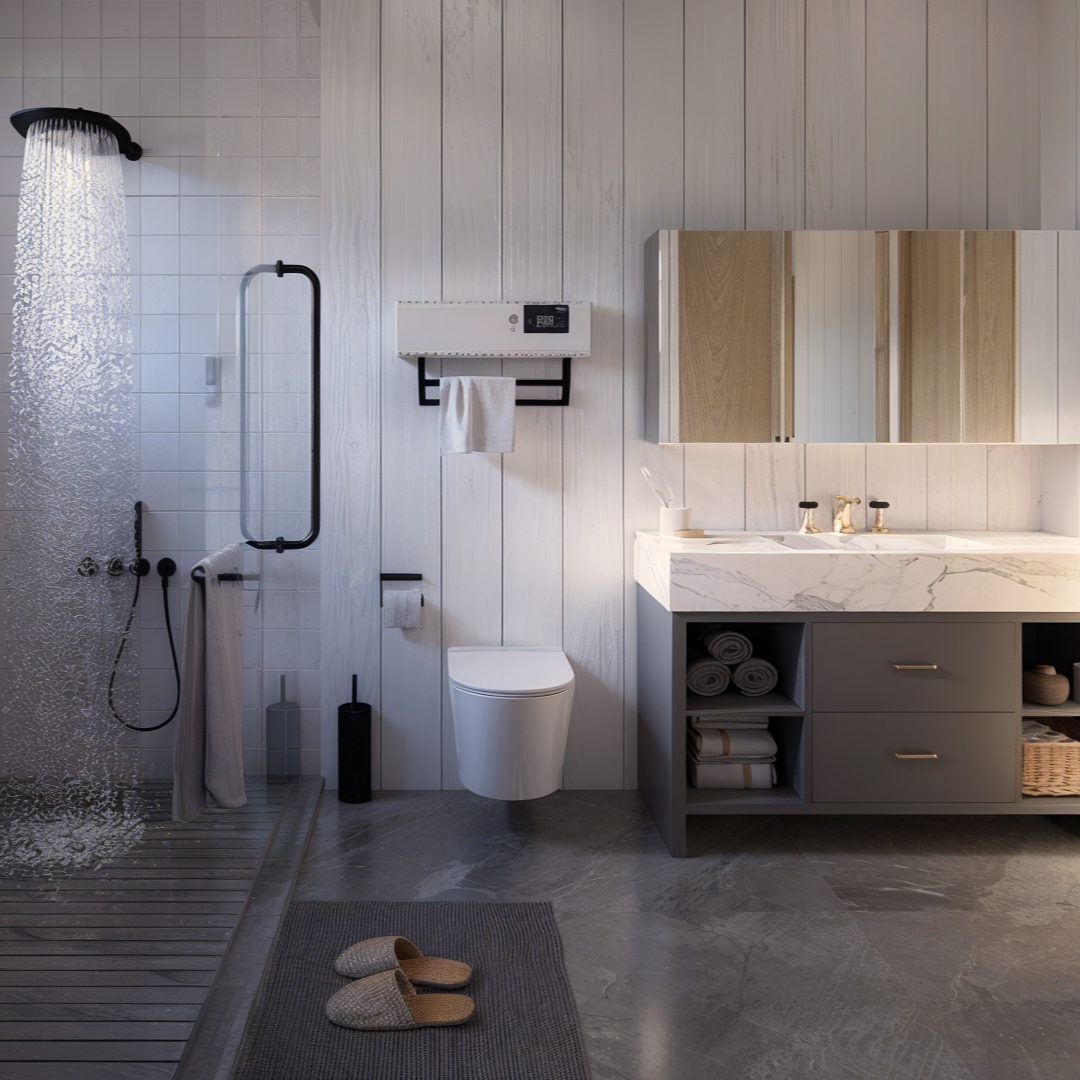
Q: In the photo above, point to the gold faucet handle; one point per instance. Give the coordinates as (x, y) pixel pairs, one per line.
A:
(879, 520)
(808, 526)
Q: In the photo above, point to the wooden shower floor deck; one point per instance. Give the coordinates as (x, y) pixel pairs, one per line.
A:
(104, 975)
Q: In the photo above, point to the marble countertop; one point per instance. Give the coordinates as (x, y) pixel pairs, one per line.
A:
(724, 571)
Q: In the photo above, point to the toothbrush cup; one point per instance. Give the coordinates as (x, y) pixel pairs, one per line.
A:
(674, 519)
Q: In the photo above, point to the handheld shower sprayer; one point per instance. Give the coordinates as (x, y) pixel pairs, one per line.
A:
(140, 567)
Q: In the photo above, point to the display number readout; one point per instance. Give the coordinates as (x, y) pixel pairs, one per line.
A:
(547, 319)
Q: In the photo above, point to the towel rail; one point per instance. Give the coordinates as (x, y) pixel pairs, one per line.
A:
(280, 269)
(199, 574)
(563, 384)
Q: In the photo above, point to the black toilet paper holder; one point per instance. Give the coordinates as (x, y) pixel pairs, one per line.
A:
(401, 577)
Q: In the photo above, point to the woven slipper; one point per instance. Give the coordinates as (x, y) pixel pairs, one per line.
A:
(388, 1002)
(386, 953)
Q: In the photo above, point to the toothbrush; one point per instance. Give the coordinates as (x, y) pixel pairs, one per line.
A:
(656, 491)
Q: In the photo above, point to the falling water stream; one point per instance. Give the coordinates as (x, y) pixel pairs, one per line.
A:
(71, 799)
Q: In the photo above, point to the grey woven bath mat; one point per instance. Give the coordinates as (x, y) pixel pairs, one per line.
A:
(525, 1026)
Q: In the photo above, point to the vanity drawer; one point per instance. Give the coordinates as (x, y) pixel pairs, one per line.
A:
(855, 758)
(969, 667)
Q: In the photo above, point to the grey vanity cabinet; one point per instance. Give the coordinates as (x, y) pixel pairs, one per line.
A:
(876, 713)
(912, 667)
(914, 712)
(910, 758)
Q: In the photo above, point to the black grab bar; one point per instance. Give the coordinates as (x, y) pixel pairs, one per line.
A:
(280, 269)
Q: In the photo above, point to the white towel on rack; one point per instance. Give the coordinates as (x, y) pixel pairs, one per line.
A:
(208, 758)
(476, 415)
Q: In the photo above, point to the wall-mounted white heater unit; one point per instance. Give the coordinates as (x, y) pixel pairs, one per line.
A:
(498, 328)
(509, 329)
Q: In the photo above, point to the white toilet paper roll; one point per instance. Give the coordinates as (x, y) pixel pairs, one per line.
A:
(401, 607)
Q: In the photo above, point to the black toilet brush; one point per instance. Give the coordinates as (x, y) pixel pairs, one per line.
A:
(354, 750)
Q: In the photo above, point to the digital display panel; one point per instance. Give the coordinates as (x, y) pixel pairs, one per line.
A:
(547, 319)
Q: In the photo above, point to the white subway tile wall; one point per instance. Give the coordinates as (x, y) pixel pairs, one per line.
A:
(223, 96)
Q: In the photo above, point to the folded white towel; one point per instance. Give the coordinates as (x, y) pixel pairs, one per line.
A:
(732, 776)
(476, 415)
(721, 742)
(703, 721)
(717, 759)
(401, 607)
(1033, 731)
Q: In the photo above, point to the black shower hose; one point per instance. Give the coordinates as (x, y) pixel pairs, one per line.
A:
(165, 568)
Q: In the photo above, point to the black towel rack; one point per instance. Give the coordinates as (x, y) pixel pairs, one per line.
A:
(199, 574)
(423, 382)
(280, 269)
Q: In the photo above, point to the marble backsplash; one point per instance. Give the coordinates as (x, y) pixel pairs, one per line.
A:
(968, 486)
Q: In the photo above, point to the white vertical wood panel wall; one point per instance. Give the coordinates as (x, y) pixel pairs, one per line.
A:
(411, 521)
(478, 149)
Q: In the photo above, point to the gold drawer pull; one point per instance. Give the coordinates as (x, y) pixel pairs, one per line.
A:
(915, 667)
(923, 755)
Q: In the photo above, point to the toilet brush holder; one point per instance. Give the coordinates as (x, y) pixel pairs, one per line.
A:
(354, 750)
(283, 739)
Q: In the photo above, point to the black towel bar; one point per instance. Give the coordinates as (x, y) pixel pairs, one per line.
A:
(199, 574)
(423, 382)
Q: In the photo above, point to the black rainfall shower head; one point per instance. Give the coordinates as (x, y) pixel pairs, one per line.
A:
(22, 120)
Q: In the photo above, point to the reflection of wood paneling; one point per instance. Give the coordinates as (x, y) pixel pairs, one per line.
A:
(726, 337)
(989, 369)
(787, 384)
(930, 336)
(958, 331)
(881, 337)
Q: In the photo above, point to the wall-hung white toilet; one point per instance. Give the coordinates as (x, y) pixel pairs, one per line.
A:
(511, 710)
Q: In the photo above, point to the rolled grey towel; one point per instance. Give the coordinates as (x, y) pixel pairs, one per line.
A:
(754, 677)
(707, 676)
(727, 646)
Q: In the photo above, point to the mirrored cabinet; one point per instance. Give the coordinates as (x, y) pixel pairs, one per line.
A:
(847, 336)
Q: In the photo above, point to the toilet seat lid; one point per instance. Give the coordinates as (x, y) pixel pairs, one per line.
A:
(508, 671)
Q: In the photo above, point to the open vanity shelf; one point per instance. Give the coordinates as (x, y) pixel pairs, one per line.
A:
(843, 711)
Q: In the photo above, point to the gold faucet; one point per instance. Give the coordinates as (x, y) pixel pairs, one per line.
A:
(842, 520)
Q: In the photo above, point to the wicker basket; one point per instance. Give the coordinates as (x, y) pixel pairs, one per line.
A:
(1053, 768)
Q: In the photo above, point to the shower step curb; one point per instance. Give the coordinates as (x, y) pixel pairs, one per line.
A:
(218, 1034)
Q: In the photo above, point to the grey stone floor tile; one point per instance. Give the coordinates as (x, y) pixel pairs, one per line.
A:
(898, 863)
(839, 948)
(972, 957)
(745, 995)
(562, 849)
(1034, 1033)
(1061, 1069)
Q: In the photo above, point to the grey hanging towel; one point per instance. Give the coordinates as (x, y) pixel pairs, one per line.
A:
(209, 755)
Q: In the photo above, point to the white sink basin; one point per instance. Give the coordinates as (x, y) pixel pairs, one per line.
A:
(896, 571)
(881, 542)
